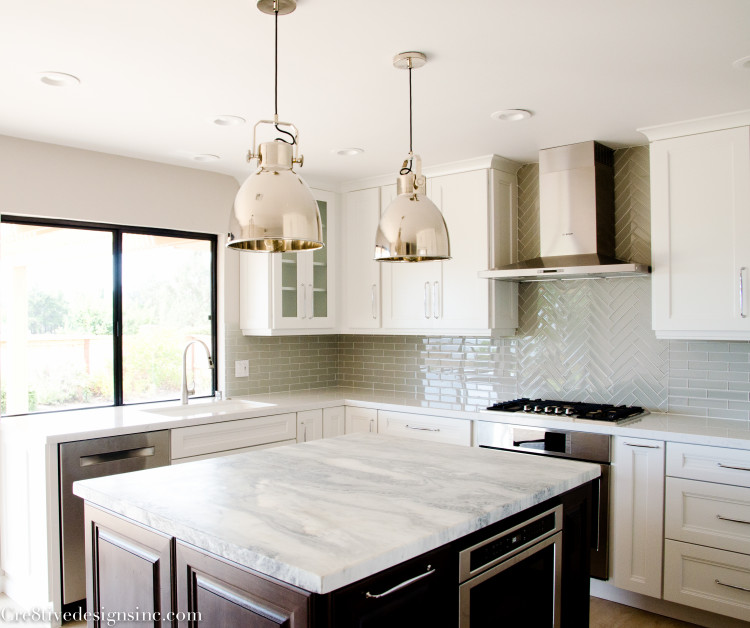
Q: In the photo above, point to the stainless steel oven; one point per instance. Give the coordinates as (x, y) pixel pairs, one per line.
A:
(559, 443)
(514, 577)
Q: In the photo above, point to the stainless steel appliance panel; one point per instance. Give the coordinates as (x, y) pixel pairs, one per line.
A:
(97, 457)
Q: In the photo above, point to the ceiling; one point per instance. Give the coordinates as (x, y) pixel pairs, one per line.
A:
(156, 73)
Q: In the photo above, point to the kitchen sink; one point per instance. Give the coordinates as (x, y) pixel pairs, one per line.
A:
(211, 408)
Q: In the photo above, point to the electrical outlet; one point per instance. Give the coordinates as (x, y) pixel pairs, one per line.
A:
(242, 368)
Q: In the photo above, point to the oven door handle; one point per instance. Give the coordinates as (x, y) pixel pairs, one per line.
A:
(430, 570)
(519, 443)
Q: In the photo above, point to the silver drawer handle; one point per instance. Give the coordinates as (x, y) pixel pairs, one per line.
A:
(405, 583)
(423, 429)
(644, 446)
(726, 466)
(732, 520)
(732, 586)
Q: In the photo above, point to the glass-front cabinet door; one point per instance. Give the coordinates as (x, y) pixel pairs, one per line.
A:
(303, 281)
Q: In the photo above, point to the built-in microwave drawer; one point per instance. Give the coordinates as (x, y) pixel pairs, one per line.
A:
(709, 464)
(717, 515)
(707, 578)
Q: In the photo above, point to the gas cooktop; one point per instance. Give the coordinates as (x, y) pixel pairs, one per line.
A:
(571, 409)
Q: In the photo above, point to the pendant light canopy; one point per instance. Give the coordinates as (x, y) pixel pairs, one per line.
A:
(274, 210)
(412, 229)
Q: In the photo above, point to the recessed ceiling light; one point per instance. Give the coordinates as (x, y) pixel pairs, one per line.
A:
(742, 64)
(511, 115)
(206, 157)
(228, 120)
(58, 79)
(349, 152)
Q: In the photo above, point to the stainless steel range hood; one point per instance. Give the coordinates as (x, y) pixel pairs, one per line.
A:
(576, 219)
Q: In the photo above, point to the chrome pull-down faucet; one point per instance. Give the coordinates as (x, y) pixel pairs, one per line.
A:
(186, 392)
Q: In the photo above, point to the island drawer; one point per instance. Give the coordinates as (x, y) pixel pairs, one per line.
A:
(717, 515)
(199, 440)
(707, 578)
(425, 427)
(709, 464)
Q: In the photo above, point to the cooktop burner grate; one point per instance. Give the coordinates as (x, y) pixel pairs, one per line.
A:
(572, 409)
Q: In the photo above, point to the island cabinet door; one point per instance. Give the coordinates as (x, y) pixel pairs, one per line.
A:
(420, 592)
(214, 593)
(128, 572)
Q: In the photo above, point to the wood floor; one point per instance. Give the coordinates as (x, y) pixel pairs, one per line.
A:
(606, 614)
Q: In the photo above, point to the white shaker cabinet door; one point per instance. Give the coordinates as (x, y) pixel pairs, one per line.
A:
(700, 222)
(361, 273)
(638, 521)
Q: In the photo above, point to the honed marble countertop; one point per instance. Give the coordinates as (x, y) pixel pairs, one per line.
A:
(324, 514)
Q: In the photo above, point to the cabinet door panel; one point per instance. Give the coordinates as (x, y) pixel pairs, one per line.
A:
(463, 198)
(701, 233)
(227, 596)
(334, 422)
(309, 425)
(361, 292)
(361, 420)
(128, 569)
(638, 497)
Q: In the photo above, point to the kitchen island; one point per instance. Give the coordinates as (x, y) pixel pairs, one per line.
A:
(288, 536)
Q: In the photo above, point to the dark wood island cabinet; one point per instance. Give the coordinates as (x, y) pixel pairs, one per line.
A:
(131, 566)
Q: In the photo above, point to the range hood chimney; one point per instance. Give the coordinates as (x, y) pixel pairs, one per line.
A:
(576, 219)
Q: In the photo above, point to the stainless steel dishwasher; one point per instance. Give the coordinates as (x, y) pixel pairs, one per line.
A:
(94, 458)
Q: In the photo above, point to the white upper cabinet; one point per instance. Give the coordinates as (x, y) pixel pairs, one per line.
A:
(291, 293)
(700, 222)
(360, 272)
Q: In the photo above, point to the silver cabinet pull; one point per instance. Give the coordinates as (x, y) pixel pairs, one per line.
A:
(373, 309)
(303, 292)
(423, 429)
(726, 466)
(371, 422)
(310, 300)
(304, 432)
(731, 586)
(436, 299)
(733, 520)
(742, 293)
(405, 583)
(644, 446)
(426, 296)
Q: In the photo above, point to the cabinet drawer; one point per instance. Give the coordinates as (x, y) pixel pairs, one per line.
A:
(214, 437)
(704, 577)
(425, 427)
(709, 464)
(232, 452)
(710, 514)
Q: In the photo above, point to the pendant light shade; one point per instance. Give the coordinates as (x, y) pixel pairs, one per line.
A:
(274, 210)
(412, 228)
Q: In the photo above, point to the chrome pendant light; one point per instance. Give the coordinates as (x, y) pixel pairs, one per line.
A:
(274, 210)
(412, 229)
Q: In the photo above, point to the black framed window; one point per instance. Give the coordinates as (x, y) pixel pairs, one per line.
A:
(97, 315)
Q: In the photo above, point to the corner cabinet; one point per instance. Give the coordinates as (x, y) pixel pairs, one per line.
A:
(291, 293)
(480, 210)
(700, 223)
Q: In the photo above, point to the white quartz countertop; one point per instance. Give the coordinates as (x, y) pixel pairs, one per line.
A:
(324, 514)
(61, 427)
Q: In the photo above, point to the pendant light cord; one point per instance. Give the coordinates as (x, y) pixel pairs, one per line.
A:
(276, 79)
(407, 169)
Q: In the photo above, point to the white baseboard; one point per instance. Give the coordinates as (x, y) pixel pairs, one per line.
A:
(606, 591)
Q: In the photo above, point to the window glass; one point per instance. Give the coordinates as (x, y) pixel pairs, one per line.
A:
(56, 345)
(166, 303)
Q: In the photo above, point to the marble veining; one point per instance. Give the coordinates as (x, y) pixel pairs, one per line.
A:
(324, 514)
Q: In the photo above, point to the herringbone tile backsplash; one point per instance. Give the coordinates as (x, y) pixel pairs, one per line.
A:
(579, 340)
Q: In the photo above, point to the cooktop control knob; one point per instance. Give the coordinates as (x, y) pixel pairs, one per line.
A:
(558, 410)
(527, 408)
(538, 408)
(569, 411)
(549, 409)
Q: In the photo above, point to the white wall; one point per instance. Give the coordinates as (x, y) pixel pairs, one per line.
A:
(53, 181)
